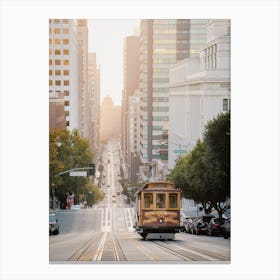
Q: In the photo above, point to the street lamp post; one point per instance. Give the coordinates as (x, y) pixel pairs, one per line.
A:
(53, 195)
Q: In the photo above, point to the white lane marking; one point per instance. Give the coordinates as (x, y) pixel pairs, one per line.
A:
(115, 250)
(100, 249)
(106, 220)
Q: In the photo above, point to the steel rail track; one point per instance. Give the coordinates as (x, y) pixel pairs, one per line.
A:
(200, 252)
(173, 252)
(77, 255)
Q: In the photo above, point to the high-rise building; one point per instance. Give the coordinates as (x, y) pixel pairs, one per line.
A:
(110, 121)
(56, 111)
(163, 42)
(83, 99)
(199, 90)
(94, 93)
(131, 49)
(133, 162)
(63, 67)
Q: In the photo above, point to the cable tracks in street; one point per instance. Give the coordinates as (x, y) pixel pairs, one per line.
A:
(190, 253)
(81, 252)
(101, 248)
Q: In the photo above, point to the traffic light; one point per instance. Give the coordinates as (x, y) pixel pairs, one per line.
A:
(92, 169)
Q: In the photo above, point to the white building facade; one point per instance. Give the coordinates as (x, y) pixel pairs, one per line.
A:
(199, 90)
(63, 66)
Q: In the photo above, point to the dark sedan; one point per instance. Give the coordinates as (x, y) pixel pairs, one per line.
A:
(200, 226)
(215, 226)
(226, 227)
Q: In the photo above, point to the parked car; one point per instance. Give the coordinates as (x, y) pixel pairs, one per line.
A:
(182, 222)
(226, 228)
(53, 224)
(186, 222)
(215, 226)
(201, 225)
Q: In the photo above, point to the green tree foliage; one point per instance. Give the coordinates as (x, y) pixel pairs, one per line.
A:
(67, 151)
(204, 173)
(93, 194)
(217, 140)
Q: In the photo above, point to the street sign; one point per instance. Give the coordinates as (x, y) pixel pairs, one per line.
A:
(78, 173)
(179, 151)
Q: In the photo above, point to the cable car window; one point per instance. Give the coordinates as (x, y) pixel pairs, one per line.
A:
(173, 200)
(160, 199)
(148, 200)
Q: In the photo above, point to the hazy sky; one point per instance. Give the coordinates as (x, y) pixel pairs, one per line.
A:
(106, 40)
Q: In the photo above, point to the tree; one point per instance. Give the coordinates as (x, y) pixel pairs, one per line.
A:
(217, 156)
(93, 193)
(67, 151)
(196, 176)
(204, 173)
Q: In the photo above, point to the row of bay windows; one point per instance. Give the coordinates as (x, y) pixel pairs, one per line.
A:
(59, 83)
(58, 30)
(59, 51)
(57, 21)
(59, 62)
(59, 41)
(58, 72)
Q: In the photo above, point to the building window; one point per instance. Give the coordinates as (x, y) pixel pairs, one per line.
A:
(66, 62)
(50, 72)
(57, 31)
(66, 103)
(57, 72)
(50, 41)
(57, 41)
(50, 62)
(65, 30)
(57, 82)
(57, 62)
(65, 41)
(50, 51)
(65, 21)
(66, 93)
(66, 83)
(65, 51)
(57, 21)
(50, 82)
(225, 104)
(66, 72)
(57, 52)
